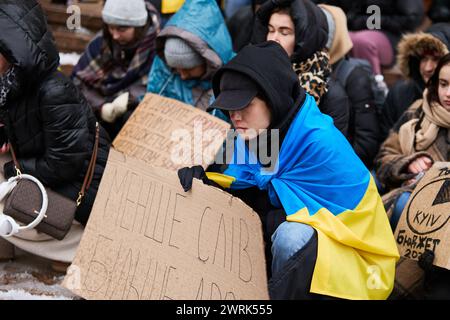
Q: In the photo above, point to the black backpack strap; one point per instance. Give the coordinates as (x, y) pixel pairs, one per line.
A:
(343, 70)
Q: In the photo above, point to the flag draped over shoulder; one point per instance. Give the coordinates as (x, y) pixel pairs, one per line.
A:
(321, 182)
(171, 6)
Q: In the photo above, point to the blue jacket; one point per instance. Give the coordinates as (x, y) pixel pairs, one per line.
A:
(200, 23)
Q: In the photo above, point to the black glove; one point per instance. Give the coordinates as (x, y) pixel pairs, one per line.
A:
(187, 175)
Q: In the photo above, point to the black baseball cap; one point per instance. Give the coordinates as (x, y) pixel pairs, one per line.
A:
(237, 90)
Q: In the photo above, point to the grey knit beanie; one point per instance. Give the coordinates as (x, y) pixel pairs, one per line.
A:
(179, 54)
(129, 13)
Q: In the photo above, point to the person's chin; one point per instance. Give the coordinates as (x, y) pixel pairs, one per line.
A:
(124, 44)
(247, 134)
(446, 106)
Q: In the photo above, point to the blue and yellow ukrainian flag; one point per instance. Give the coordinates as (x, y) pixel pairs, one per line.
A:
(171, 6)
(321, 182)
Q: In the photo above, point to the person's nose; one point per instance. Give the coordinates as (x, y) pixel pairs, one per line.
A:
(115, 35)
(183, 74)
(274, 36)
(235, 115)
(447, 93)
(429, 66)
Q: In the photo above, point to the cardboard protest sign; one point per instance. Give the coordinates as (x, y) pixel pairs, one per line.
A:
(170, 134)
(148, 239)
(424, 224)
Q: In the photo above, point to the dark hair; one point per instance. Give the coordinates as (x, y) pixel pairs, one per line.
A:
(283, 10)
(433, 83)
(138, 36)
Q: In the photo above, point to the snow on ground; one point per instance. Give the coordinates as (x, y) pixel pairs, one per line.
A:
(31, 278)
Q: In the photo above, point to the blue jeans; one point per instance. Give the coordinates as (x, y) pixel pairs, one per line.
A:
(288, 239)
(400, 204)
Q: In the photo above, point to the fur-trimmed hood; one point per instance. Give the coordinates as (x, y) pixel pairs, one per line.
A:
(412, 47)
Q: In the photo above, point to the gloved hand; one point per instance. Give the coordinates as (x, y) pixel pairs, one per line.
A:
(187, 175)
(111, 111)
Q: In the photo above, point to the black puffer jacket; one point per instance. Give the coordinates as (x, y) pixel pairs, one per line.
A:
(49, 123)
(363, 124)
(397, 16)
(311, 36)
(405, 92)
(336, 104)
(240, 26)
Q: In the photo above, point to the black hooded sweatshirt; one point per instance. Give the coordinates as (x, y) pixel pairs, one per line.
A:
(47, 120)
(268, 65)
(311, 36)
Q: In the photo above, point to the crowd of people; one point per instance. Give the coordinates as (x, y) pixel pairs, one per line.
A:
(352, 149)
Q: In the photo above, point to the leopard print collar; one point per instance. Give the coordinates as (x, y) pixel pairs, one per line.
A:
(7, 82)
(314, 73)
